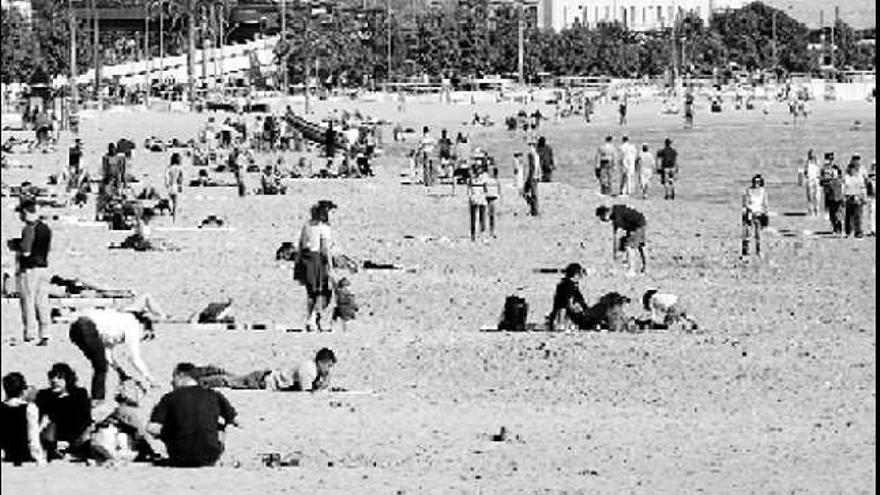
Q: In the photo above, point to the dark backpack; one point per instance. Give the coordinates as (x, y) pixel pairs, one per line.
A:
(515, 313)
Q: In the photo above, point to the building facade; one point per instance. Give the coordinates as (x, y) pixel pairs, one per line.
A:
(636, 15)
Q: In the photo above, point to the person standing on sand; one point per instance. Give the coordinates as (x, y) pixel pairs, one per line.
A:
(476, 190)
(633, 223)
(628, 155)
(871, 191)
(316, 262)
(493, 197)
(605, 158)
(809, 174)
(546, 159)
(530, 188)
(621, 109)
(855, 193)
(174, 183)
(425, 153)
(831, 180)
(754, 215)
(668, 158)
(32, 255)
(518, 172)
(645, 165)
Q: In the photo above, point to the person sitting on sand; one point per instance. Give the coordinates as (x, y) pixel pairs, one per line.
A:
(98, 332)
(667, 311)
(19, 423)
(311, 375)
(191, 420)
(65, 412)
(633, 223)
(568, 301)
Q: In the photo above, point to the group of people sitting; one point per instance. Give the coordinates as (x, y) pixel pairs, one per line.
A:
(66, 422)
(570, 309)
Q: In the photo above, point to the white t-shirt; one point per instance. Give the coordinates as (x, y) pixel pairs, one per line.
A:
(312, 234)
(301, 377)
(756, 200)
(119, 327)
(628, 153)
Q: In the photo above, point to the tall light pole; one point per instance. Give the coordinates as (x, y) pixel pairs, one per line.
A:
(74, 90)
(520, 56)
(308, 105)
(285, 84)
(388, 29)
(161, 42)
(147, 57)
(773, 45)
(96, 53)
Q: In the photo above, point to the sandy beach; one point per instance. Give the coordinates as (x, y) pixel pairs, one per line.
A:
(775, 394)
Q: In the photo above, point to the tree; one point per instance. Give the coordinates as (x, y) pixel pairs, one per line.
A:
(17, 47)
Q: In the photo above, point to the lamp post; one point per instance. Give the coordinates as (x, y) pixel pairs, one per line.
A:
(74, 90)
(520, 55)
(284, 69)
(147, 56)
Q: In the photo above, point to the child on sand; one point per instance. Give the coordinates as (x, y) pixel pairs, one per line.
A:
(667, 311)
(346, 306)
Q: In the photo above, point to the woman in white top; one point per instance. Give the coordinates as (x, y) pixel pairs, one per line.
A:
(810, 175)
(315, 264)
(477, 188)
(754, 215)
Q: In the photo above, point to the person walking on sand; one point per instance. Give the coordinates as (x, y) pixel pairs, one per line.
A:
(316, 264)
(809, 175)
(754, 215)
(518, 172)
(174, 183)
(476, 189)
(831, 180)
(628, 155)
(493, 198)
(668, 158)
(545, 152)
(633, 223)
(645, 165)
(855, 194)
(532, 176)
(605, 158)
(32, 256)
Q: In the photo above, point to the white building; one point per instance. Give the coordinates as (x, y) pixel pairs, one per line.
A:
(637, 15)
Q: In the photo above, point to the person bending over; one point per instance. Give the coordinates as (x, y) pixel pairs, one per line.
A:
(633, 223)
(100, 331)
(667, 311)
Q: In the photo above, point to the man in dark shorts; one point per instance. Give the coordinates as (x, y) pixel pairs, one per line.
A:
(667, 159)
(633, 223)
(689, 110)
(188, 421)
(606, 157)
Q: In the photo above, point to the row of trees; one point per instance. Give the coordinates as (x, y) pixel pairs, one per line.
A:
(466, 40)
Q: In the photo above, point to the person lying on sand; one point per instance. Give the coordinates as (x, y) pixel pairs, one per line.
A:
(310, 375)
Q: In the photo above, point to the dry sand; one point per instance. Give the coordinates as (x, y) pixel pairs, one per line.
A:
(777, 395)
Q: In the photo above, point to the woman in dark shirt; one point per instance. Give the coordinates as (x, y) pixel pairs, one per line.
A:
(65, 411)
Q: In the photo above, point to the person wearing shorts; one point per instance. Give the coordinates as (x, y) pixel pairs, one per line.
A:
(633, 223)
(668, 160)
(754, 218)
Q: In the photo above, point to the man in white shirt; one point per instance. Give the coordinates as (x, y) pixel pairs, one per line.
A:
(98, 332)
(628, 154)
